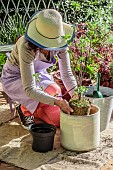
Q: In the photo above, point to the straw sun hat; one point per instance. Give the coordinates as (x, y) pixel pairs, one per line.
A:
(46, 30)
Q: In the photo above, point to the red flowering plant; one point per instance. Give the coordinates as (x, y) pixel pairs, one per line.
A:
(93, 51)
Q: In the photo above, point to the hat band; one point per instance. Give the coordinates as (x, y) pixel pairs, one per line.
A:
(45, 36)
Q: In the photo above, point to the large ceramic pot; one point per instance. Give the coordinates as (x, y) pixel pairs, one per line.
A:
(105, 104)
(80, 133)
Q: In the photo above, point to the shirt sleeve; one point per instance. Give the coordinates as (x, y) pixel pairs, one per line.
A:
(65, 71)
(26, 58)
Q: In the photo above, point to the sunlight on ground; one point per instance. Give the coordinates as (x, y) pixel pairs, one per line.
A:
(15, 142)
(14, 123)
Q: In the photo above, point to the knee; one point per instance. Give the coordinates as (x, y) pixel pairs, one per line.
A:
(53, 89)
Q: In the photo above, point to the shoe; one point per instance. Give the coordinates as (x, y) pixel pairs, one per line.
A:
(26, 121)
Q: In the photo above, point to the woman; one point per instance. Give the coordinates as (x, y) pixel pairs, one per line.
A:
(34, 53)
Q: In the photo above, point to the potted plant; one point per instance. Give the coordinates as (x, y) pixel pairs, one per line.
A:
(93, 48)
(80, 131)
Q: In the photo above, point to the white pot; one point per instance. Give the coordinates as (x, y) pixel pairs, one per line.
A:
(80, 133)
(106, 106)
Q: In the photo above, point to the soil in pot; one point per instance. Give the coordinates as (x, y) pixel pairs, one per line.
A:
(43, 137)
(80, 107)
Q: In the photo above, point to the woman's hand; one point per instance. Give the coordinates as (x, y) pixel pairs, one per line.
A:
(64, 105)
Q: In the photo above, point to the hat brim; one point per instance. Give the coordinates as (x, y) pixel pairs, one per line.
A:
(43, 42)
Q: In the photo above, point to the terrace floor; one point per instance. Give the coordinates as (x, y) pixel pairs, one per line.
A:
(6, 118)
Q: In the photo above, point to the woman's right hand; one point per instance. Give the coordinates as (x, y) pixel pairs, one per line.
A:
(64, 105)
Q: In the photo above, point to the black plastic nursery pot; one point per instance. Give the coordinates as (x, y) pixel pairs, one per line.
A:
(43, 137)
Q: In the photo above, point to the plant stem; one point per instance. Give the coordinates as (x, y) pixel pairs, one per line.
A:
(67, 92)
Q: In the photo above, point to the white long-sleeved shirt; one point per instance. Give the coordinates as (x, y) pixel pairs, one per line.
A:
(24, 57)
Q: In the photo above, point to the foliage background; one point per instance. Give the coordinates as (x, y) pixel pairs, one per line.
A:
(75, 12)
(72, 12)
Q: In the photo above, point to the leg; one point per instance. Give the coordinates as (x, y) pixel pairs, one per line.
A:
(47, 113)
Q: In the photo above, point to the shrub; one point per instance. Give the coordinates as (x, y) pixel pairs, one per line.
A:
(2, 61)
(92, 51)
